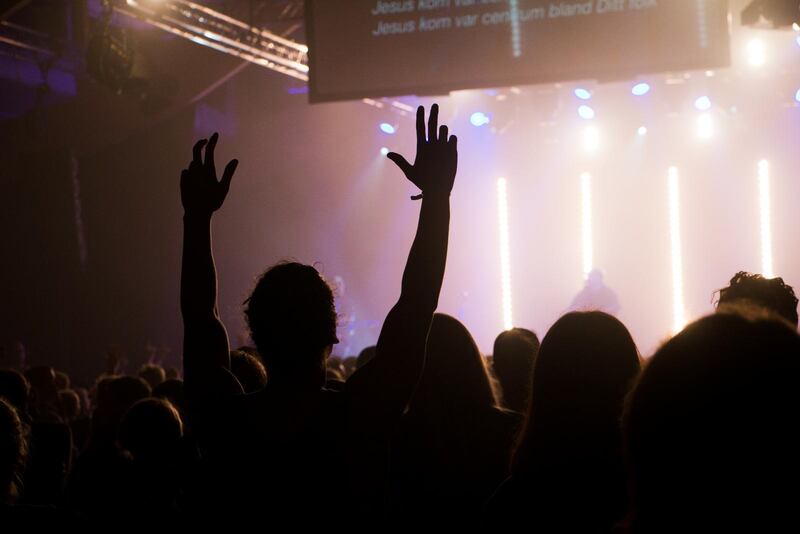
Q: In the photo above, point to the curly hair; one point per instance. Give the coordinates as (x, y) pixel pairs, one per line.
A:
(770, 293)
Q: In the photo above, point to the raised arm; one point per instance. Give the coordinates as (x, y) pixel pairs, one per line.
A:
(386, 383)
(205, 342)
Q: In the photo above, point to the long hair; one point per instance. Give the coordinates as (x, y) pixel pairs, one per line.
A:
(586, 364)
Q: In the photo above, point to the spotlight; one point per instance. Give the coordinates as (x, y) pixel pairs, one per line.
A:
(703, 103)
(387, 128)
(591, 139)
(796, 27)
(705, 126)
(797, 40)
(642, 131)
(640, 89)
(797, 95)
(756, 53)
(586, 112)
(583, 94)
(479, 118)
(384, 151)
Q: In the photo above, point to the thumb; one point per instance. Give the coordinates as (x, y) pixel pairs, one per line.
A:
(401, 162)
(227, 175)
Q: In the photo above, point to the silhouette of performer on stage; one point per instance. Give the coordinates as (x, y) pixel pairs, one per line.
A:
(595, 296)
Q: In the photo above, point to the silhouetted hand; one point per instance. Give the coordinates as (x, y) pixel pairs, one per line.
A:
(434, 168)
(201, 192)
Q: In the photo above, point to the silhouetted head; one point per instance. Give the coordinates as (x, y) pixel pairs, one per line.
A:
(70, 404)
(770, 293)
(172, 373)
(151, 430)
(42, 380)
(586, 363)
(710, 428)
(292, 321)
(454, 379)
(513, 358)
(366, 354)
(152, 374)
(13, 450)
(15, 389)
(114, 397)
(62, 380)
(248, 370)
(172, 391)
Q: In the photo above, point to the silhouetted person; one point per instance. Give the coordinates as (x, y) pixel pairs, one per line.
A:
(248, 370)
(13, 453)
(281, 453)
(365, 356)
(567, 472)
(770, 293)
(100, 485)
(152, 431)
(15, 389)
(152, 374)
(513, 357)
(595, 295)
(711, 429)
(14, 450)
(453, 446)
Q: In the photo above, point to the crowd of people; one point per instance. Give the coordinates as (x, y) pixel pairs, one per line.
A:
(576, 433)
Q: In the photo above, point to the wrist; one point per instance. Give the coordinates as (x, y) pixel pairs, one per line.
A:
(196, 216)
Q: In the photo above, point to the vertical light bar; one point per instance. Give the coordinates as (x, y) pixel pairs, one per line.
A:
(678, 312)
(505, 256)
(516, 45)
(766, 219)
(586, 224)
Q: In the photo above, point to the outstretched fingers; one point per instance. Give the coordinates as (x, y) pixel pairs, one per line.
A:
(197, 152)
(420, 128)
(433, 123)
(227, 174)
(401, 162)
(212, 144)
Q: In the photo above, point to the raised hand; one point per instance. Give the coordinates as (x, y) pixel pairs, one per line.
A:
(201, 192)
(434, 168)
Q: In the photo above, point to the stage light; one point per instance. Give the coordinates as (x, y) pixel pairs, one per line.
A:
(766, 219)
(583, 94)
(678, 310)
(705, 126)
(702, 103)
(796, 27)
(640, 89)
(585, 112)
(642, 131)
(587, 247)
(756, 53)
(797, 96)
(387, 128)
(505, 255)
(797, 40)
(591, 138)
(384, 151)
(479, 118)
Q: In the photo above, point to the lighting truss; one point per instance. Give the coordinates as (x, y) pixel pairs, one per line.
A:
(221, 32)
